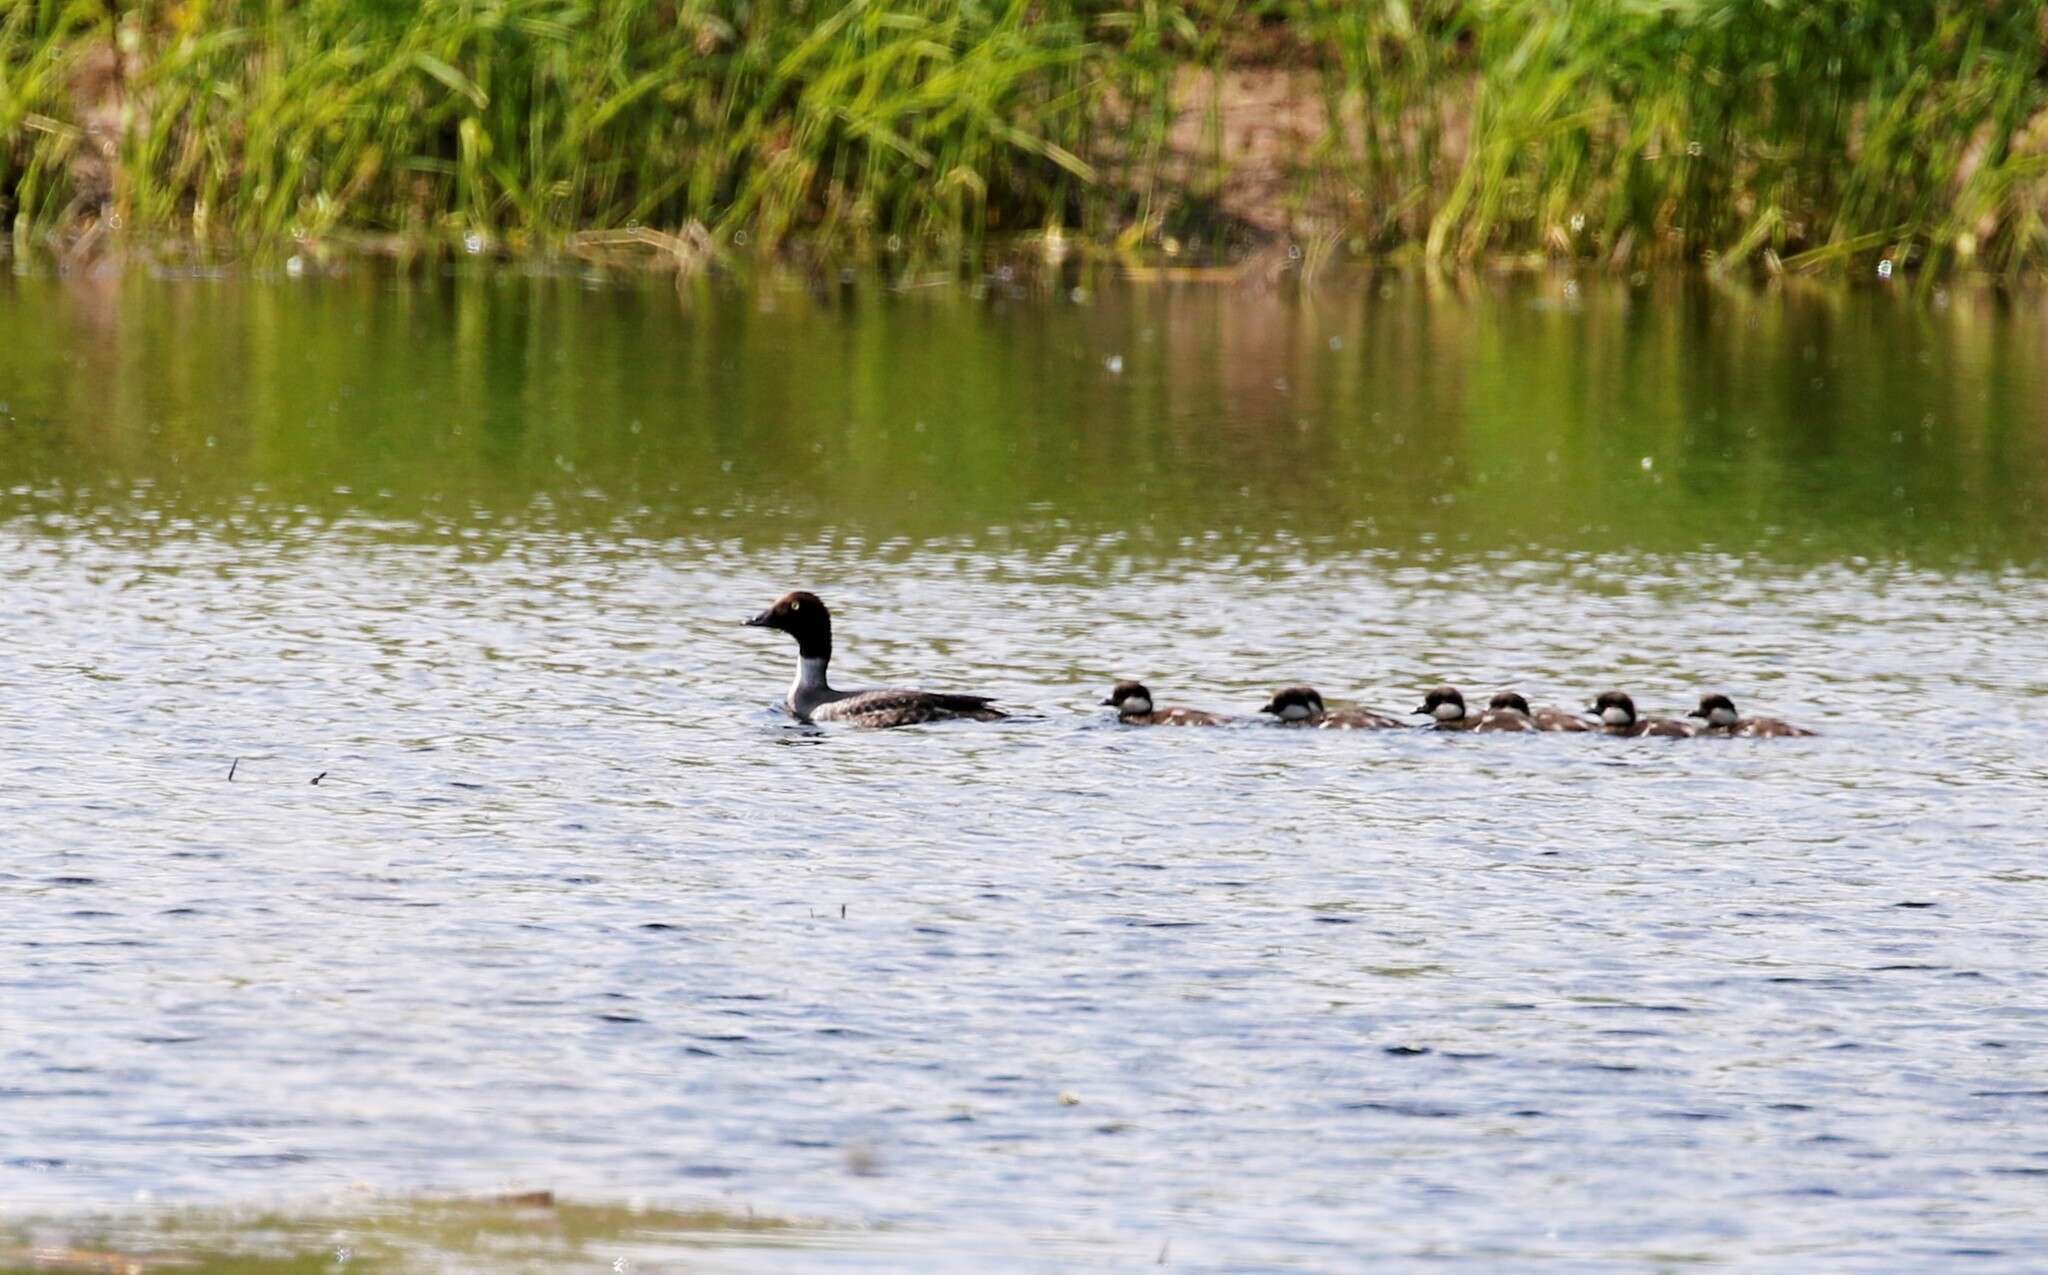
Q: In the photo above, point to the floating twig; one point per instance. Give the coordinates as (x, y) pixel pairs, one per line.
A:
(231, 769)
(317, 778)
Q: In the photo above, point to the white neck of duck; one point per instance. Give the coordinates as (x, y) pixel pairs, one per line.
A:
(809, 688)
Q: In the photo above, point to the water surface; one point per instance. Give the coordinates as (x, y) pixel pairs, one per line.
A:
(572, 908)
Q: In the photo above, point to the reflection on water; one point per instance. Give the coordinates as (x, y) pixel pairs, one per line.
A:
(1375, 414)
(572, 909)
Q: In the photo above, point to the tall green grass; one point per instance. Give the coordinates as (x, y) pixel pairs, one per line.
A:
(533, 118)
(1743, 133)
(1799, 130)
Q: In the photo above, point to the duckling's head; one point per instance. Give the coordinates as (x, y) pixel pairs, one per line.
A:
(1718, 709)
(1295, 704)
(1445, 703)
(1615, 709)
(1129, 699)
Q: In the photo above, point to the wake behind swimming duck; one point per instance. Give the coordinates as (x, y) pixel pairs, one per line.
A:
(812, 699)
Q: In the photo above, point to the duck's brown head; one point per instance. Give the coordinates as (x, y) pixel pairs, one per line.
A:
(804, 618)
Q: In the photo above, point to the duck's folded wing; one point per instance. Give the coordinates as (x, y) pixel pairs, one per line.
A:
(1768, 728)
(1494, 719)
(906, 708)
(1187, 717)
(1360, 719)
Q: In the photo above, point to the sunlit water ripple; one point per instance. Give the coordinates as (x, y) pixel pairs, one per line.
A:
(572, 906)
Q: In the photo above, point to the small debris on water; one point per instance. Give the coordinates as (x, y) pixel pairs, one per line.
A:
(317, 778)
(1068, 1098)
(1115, 364)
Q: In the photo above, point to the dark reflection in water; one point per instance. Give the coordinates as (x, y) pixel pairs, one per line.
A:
(1383, 413)
(571, 909)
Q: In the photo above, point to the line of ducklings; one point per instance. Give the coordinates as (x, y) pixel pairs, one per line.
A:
(1614, 713)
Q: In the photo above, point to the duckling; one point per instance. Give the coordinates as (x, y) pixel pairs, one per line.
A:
(1303, 706)
(1133, 705)
(1544, 718)
(1721, 719)
(1618, 717)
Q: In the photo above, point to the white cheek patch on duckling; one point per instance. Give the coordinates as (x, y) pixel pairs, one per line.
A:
(1718, 716)
(1615, 716)
(1294, 713)
(1135, 706)
(1449, 712)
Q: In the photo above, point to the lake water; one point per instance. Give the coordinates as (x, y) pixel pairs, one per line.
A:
(573, 908)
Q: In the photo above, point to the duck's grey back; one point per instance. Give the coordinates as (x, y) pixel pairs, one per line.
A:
(902, 708)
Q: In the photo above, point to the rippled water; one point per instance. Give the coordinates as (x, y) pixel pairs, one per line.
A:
(572, 907)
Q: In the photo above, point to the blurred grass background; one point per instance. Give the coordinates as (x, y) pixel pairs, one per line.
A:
(1744, 134)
